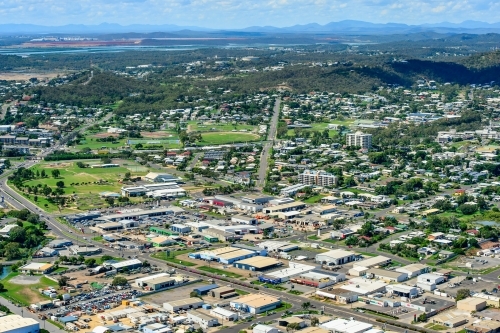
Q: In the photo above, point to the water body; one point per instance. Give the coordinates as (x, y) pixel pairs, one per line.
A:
(21, 51)
(5, 271)
(487, 223)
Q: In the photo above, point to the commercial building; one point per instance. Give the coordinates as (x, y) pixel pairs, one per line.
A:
(205, 321)
(260, 328)
(180, 228)
(108, 226)
(283, 275)
(318, 279)
(471, 304)
(413, 270)
(18, 324)
(160, 177)
(389, 276)
(320, 178)
(255, 303)
(37, 268)
(140, 213)
(127, 264)
(244, 219)
(402, 290)
(223, 292)
(204, 290)
(377, 261)
(430, 278)
(257, 264)
(485, 326)
(223, 314)
(363, 286)
(337, 257)
(285, 207)
(212, 254)
(359, 139)
(346, 326)
(230, 257)
(59, 243)
(183, 304)
(275, 246)
(259, 251)
(292, 190)
(88, 250)
(155, 282)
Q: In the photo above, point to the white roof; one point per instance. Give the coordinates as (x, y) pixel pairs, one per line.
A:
(223, 312)
(126, 263)
(146, 278)
(336, 254)
(364, 286)
(15, 322)
(347, 326)
(293, 269)
(263, 328)
(100, 329)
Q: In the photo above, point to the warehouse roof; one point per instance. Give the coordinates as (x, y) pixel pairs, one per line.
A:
(383, 272)
(126, 263)
(372, 262)
(203, 289)
(15, 322)
(235, 254)
(257, 300)
(337, 253)
(259, 262)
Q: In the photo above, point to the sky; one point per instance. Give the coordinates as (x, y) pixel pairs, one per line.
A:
(224, 14)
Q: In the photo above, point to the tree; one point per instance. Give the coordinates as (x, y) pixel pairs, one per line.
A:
(62, 281)
(7, 164)
(351, 241)
(81, 165)
(119, 281)
(17, 234)
(55, 173)
(292, 327)
(106, 257)
(90, 262)
(462, 294)
(110, 201)
(422, 317)
(60, 184)
(128, 175)
(306, 305)
(43, 174)
(314, 321)
(468, 209)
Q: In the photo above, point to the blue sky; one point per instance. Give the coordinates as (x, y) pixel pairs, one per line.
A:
(244, 13)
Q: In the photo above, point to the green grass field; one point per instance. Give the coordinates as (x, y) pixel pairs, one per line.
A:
(172, 259)
(25, 294)
(95, 181)
(219, 138)
(218, 271)
(193, 126)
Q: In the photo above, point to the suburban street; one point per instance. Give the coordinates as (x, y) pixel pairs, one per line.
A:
(266, 149)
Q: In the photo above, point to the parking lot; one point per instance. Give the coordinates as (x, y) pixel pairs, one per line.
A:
(172, 294)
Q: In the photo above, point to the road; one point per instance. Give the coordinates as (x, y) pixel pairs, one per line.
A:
(90, 78)
(266, 149)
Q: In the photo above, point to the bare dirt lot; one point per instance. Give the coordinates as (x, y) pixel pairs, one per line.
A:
(9, 76)
(25, 280)
(172, 294)
(106, 134)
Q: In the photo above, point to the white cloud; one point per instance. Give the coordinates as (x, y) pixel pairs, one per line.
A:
(242, 13)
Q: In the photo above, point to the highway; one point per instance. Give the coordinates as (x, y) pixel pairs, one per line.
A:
(266, 149)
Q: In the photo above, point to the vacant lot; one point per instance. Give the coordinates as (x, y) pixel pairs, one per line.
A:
(25, 291)
(84, 183)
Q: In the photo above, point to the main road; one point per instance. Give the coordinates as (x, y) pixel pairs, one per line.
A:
(266, 149)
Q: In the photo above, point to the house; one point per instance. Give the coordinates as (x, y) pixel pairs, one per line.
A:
(472, 232)
(436, 235)
(445, 254)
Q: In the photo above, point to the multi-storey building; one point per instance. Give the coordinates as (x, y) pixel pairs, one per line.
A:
(359, 139)
(321, 178)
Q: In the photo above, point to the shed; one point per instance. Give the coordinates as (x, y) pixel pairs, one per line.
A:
(203, 290)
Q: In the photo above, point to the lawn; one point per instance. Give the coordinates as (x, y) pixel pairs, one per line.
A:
(194, 126)
(314, 237)
(314, 199)
(172, 259)
(241, 292)
(436, 327)
(368, 254)
(220, 138)
(25, 294)
(86, 183)
(218, 271)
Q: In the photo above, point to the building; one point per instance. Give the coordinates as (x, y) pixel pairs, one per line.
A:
(359, 139)
(6, 229)
(183, 304)
(108, 226)
(336, 257)
(318, 279)
(205, 321)
(288, 207)
(255, 303)
(260, 328)
(151, 328)
(413, 270)
(155, 282)
(180, 228)
(346, 326)
(403, 290)
(471, 304)
(127, 265)
(377, 261)
(388, 276)
(283, 275)
(223, 314)
(244, 219)
(290, 191)
(85, 250)
(37, 268)
(230, 257)
(257, 264)
(159, 177)
(59, 243)
(18, 324)
(320, 178)
(484, 326)
(430, 278)
(204, 290)
(223, 292)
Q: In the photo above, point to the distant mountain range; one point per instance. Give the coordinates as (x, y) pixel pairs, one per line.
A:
(349, 27)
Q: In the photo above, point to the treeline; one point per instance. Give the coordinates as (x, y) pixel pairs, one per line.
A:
(64, 156)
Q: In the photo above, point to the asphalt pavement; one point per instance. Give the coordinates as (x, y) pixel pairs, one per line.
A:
(266, 149)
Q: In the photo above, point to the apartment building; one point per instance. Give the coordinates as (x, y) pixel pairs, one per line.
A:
(320, 178)
(359, 139)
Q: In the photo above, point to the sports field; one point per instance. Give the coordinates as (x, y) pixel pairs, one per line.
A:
(194, 126)
(220, 138)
